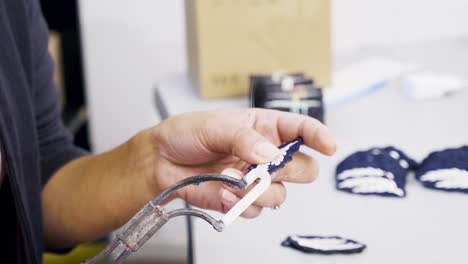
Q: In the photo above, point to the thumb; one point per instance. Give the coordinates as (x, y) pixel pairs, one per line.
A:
(252, 147)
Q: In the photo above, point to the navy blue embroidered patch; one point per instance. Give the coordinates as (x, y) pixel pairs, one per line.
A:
(324, 245)
(445, 170)
(287, 151)
(377, 171)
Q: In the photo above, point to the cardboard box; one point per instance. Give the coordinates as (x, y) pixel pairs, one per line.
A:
(229, 40)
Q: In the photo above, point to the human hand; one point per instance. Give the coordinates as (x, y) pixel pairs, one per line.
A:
(227, 141)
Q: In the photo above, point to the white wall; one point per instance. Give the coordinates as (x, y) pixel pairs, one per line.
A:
(358, 23)
(364, 23)
(128, 45)
(429, 19)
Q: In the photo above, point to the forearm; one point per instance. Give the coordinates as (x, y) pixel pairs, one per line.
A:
(91, 196)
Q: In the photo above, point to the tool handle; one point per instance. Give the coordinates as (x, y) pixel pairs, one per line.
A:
(142, 226)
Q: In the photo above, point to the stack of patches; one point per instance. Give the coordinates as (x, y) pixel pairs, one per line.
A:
(445, 170)
(383, 171)
(378, 171)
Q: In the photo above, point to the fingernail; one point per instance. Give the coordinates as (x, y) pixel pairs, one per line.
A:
(233, 173)
(266, 151)
(229, 198)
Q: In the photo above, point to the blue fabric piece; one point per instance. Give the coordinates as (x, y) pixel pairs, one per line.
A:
(389, 160)
(455, 159)
(287, 150)
(324, 245)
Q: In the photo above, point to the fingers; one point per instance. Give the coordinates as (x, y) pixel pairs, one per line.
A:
(290, 126)
(252, 147)
(315, 134)
(218, 196)
(252, 212)
(214, 196)
(233, 131)
(302, 169)
(252, 134)
(230, 199)
(206, 195)
(222, 197)
(275, 195)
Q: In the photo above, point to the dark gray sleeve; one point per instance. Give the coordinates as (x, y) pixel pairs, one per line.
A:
(55, 141)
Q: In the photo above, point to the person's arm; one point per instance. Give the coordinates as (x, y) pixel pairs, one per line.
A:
(94, 195)
(86, 198)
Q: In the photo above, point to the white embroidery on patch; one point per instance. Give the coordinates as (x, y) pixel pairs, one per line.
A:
(327, 244)
(404, 164)
(447, 178)
(376, 151)
(284, 152)
(368, 171)
(394, 154)
(372, 184)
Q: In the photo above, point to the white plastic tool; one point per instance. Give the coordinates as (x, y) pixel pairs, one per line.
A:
(263, 178)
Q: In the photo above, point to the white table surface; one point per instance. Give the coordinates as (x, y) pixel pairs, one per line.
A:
(425, 227)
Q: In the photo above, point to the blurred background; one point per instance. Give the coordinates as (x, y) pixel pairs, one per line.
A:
(111, 55)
